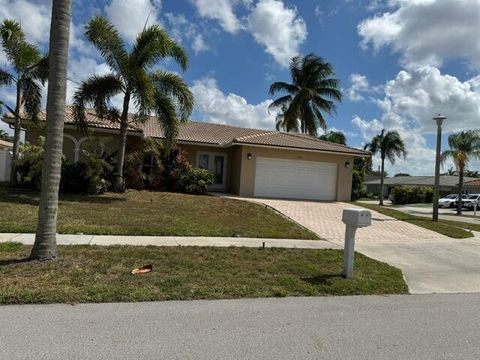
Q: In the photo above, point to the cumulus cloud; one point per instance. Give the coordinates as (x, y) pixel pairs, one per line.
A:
(426, 31)
(130, 16)
(278, 28)
(184, 30)
(410, 101)
(231, 109)
(221, 10)
(359, 86)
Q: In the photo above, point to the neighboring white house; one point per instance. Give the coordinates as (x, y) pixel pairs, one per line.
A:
(5, 159)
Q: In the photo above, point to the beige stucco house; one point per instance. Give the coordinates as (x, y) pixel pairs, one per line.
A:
(246, 162)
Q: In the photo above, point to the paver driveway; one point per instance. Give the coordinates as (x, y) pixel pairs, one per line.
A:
(430, 262)
(325, 218)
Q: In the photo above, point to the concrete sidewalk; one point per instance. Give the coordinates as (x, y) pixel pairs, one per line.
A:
(107, 240)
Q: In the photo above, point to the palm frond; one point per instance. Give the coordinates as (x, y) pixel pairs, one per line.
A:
(96, 91)
(166, 114)
(175, 88)
(32, 97)
(5, 78)
(143, 95)
(283, 86)
(282, 102)
(106, 38)
(154, 44)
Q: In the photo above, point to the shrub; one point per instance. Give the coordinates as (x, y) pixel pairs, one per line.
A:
(29, 164)
(411, 195)
(358, 181)
(195, 181)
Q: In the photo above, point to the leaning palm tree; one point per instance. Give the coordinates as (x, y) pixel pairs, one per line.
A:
(28, 68)
(390, 146)
(464, 147)
(134, 77)
(336, 137)
(45, 247)
(311, 93)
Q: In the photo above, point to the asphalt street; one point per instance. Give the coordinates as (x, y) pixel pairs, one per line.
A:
(443, 326)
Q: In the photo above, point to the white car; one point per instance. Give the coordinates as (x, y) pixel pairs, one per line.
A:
(448, 201)
(470, 201)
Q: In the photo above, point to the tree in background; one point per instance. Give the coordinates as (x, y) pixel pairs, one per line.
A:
(389, 145)
(336, 137)
(312, 92)
(133, 76)
(464, 147)
(27, 70)
(401, 174)
(5, 136)
(45, 246)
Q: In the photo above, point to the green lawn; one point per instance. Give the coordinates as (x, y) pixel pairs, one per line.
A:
(103, 274)
(454, 229)
(149, 213)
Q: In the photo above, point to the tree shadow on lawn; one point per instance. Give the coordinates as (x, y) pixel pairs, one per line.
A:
(7, 262)
(324, 279)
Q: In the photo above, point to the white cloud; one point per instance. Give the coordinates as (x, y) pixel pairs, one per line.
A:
(278, 28)
(359, 85)
(184, 30)
(130, 16)
(34, 18)
(426, 31)
(232, 109)
(409, 103)
(221, 10)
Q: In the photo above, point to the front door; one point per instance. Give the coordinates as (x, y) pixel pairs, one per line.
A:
(216, 164)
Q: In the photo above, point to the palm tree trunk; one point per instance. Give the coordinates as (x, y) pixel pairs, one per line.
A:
(460, 191)
(16, 136)
(382, 181)
(45, 246)
(119, 184)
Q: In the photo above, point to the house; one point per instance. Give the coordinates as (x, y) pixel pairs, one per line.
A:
(448, 184)
(247, 162)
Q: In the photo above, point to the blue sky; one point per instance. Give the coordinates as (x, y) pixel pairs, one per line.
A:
(399, 61)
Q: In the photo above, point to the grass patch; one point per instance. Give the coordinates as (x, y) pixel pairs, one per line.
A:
(149, 213)
(102, 274)
(453, 229)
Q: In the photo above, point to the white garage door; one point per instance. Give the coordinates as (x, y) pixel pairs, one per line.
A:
(295, 179)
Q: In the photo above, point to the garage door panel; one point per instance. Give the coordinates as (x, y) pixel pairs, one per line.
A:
(297, 179)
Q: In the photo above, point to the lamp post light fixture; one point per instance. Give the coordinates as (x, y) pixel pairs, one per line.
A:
(439, 119)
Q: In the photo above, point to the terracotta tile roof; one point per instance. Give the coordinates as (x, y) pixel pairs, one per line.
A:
(6, 145)
(222, 135)
(475, 182)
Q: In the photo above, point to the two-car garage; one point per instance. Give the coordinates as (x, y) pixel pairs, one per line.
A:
(295, 179)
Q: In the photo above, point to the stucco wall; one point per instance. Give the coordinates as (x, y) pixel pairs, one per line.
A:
(247, 179)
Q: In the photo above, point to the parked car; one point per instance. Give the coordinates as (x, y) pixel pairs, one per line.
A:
(448, 201)
(470, 201)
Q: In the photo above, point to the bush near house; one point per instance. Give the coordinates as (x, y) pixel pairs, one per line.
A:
(411, 195)
(91, 175)
(151, 168)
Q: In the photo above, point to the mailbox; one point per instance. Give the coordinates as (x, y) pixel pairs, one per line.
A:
(357, 217)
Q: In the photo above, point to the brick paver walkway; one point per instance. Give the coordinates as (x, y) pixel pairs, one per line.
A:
(325, 218)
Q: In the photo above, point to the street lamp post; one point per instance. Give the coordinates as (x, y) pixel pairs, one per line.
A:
(439, 120)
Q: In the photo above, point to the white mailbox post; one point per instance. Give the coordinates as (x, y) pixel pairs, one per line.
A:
(353, 219)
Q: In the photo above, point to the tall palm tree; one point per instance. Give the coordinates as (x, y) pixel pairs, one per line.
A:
(45, 247)
(390, 146)
(311, 93)
(134, 77)
(464, 147)
(336, 137)
(28, 68)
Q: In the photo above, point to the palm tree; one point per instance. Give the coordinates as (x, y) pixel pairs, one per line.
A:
(5, 136)
(311, 93)
(134, 77)
(45, 247)
(390, 146)
(336, 137)
(28, 69)
(464, 147)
